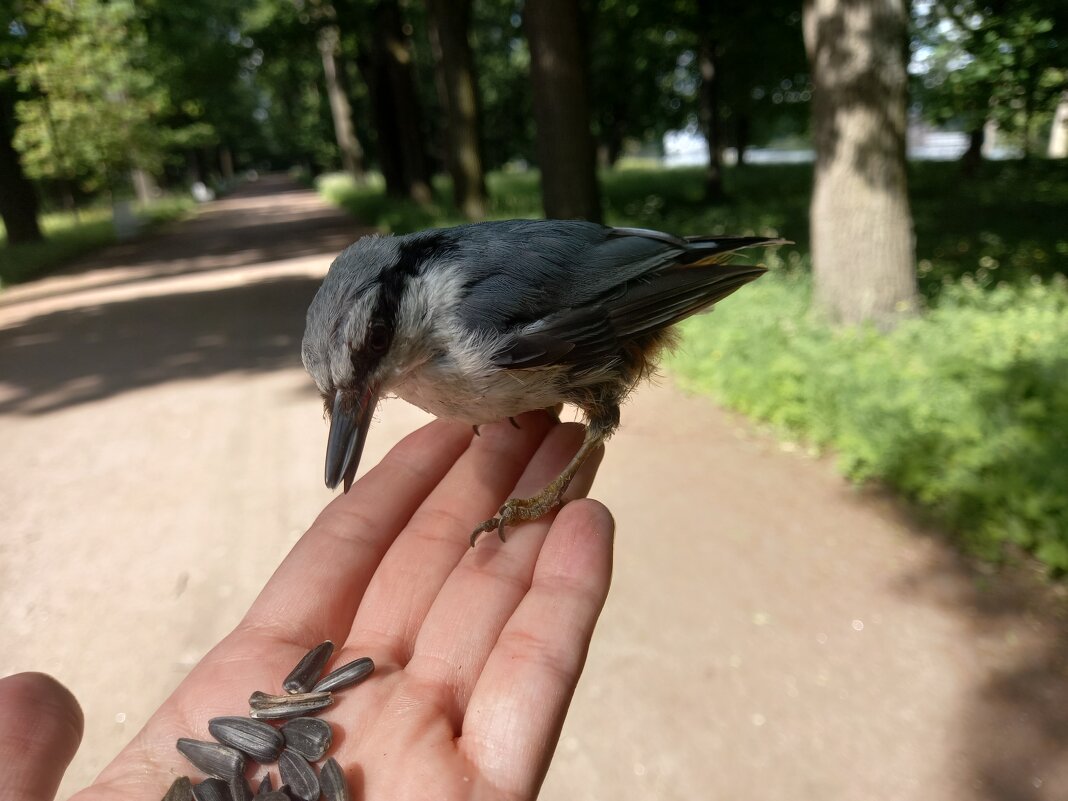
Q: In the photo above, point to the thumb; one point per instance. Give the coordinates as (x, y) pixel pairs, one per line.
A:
(40, 729)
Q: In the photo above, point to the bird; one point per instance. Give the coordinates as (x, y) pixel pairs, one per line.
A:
(484, 321)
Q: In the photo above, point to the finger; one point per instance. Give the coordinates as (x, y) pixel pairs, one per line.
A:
(490, 582)
(40, 729)
(518, 705)
(315, 592)
(423, 556)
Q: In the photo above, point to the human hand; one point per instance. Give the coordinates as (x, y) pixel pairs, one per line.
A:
(477, 651)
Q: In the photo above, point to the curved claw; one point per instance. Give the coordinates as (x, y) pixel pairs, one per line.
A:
(488, 525)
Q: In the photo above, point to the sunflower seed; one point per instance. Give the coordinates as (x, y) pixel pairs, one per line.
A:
(278, 707)
(240, 789)
(219, 761)
(180, 790)
(346, 675)
(299, 775)
(265, 785)
(211, 790)
(308, 670)
(309, 737)
(275, 795)
(257, 739)
(332, 779)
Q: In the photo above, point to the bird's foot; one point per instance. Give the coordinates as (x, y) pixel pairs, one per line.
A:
(519, 510)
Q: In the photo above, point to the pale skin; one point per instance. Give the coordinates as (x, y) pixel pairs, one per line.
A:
(478, 651)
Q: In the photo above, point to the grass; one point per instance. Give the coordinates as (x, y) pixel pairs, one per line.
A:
(67, 237)
(963, 410)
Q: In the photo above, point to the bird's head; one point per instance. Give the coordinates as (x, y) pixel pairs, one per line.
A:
(364, 329)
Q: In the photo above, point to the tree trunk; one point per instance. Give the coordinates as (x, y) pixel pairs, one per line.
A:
(18, 198)
(226, 163)
(1058, 134)
(973, 156)
(340, 110)
(566, 152)
(708, 98)
(741, 136)
(144, 185)
(861, 226)
(449, 24)
(391, 81)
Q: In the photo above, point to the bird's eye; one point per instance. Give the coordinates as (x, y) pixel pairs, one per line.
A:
(377, 339)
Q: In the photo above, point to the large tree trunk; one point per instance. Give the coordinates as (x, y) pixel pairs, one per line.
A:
(18, 199)
(566, 152)
(973, 156)
(340, 110)
(449, 24)
(861, 226)
(391, 80)
(708, 98)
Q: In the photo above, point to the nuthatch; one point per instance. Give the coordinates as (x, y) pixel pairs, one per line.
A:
(485, 321)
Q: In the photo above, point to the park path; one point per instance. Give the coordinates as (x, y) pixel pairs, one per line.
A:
(771, 633)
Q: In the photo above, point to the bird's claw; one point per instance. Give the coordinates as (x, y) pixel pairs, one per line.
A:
(518, 510)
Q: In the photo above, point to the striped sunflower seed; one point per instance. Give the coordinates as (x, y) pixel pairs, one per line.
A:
(211, 790)
(266, 785)
(346, 675)
(218, 761)
(278, 707)
(180, 790)
(240, 789)
(256, 739)
(308, 670)
(332, 780)
(309, 737)
(299, 775)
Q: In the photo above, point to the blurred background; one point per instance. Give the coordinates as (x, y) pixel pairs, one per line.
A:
(843, 514)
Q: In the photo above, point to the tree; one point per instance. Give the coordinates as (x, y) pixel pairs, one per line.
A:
(387, 69)
(566, 152)
(340, 110)
(294, 113)
(861, 225)
(18, 198)
(502, 66)
(91, 110)
(450, 21)
(641, 72)
(708, 103)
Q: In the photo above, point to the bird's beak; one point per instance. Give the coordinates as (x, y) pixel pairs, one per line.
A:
(349, 421)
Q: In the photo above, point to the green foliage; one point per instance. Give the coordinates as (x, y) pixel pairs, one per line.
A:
(67, 237)
(91, 108)
(976, 61)
(964, 410)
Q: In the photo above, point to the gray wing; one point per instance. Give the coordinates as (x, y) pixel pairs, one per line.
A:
(574, 293)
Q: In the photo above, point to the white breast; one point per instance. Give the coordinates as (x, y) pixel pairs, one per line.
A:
(482, 397)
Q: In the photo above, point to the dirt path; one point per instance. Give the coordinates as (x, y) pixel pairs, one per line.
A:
(771, 633)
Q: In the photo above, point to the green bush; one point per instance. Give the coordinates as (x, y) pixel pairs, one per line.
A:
(964, 410)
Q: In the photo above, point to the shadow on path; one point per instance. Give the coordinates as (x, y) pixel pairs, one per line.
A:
(271, 220)
(74, 356)
(1013, 729)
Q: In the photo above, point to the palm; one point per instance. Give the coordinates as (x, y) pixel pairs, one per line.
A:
(477, 651)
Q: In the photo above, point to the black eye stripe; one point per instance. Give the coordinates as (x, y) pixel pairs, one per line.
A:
(412, 256)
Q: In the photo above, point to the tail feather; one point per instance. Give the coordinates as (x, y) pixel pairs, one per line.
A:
(706, 250)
